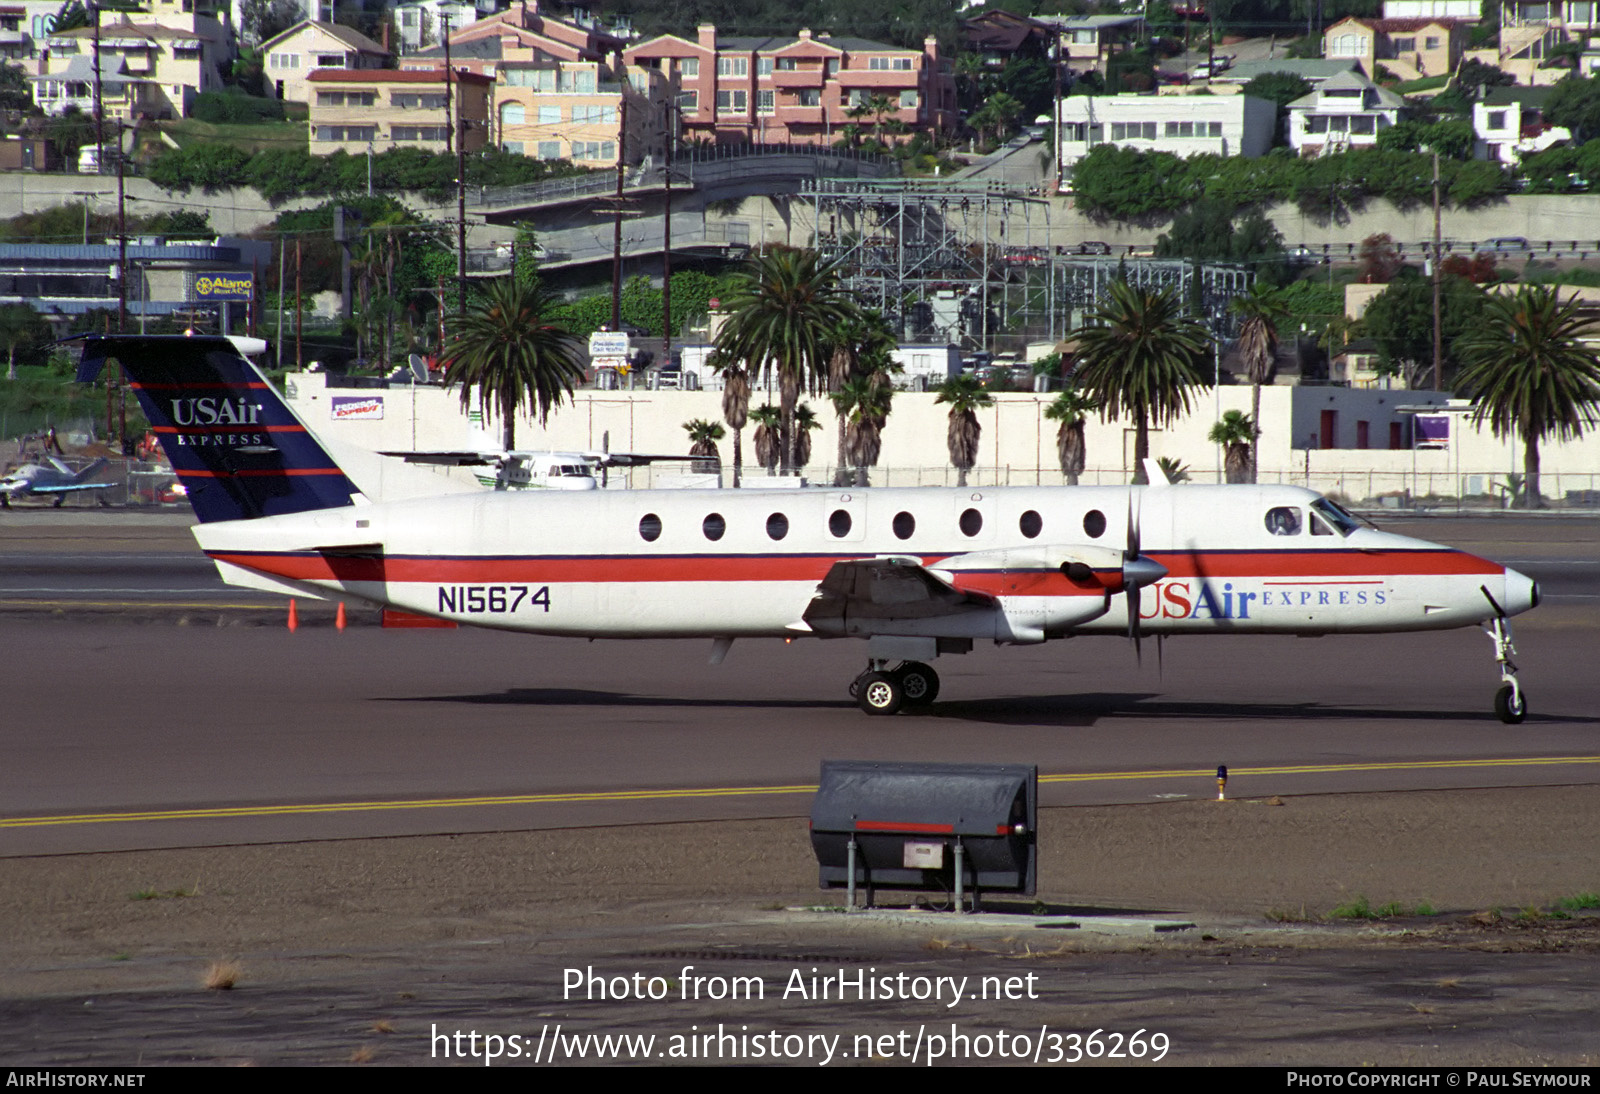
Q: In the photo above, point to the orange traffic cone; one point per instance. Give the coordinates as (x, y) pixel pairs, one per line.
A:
(294, 617)
(338, 620)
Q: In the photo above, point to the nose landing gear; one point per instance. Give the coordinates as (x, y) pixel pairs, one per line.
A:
(881, 692)
(1510, 704)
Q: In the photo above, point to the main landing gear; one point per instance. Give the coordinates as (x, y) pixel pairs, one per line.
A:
(1509, 702)
(881, 691)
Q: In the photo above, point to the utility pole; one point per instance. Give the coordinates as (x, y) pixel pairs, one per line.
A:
(666, 243)
(449, 113)
(122, 240)
(99, 102)
(1439, 339)
(461, 200)
(616, 219)
(299, 360)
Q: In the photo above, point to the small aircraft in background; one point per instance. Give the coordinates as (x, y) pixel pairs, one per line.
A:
(55, 480)
(527, 469)
(913, 573)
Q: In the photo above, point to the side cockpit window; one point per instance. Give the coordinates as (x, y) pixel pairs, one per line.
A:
(1338, 519)
(1284, 520)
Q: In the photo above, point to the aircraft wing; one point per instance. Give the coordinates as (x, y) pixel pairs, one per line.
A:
(894, 587)
(450, 457)
(69, 488)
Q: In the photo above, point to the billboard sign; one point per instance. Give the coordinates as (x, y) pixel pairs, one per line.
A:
(235, 287)
(1433, 431)
(352, 408)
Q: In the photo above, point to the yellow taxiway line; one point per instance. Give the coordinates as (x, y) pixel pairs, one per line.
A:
(598, 796)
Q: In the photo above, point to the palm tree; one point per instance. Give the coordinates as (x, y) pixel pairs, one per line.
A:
(805, 421)
(1530, 374)
(965, 395)
(735, 404)
(1235, 433)
(863, 406)
(509, 352)
(1260, 311)
(1071, 408)
(862, 346)
(703, 438)
(1139, 355)
(767, 418)
(780, 314)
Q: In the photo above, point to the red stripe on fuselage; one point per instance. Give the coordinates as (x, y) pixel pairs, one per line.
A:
(1307, 565)
(1310, 565)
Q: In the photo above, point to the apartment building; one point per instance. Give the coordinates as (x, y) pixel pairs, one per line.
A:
(577, 110)
(808, 89)
(1408, 48)
(358, 111)
(1185, 125)
(423, 24)
(1509, 124)
(311, 46)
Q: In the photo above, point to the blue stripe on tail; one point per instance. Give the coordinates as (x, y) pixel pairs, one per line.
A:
(238, 449)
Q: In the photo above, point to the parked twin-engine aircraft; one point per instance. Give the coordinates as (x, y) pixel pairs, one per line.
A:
(57, 481)
(914, 572)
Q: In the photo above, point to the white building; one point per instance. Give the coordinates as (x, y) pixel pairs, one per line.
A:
(1467, 10)
(1509, 124)
(421, 22)
(1347, 111)
(1185, 125)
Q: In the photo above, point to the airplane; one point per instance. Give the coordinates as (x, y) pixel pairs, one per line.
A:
(522, 470)
(914, 573)
(57, 480)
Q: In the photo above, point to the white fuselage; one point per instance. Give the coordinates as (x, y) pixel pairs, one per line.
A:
(638, 564)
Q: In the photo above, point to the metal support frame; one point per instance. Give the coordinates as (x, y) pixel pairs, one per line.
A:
(969, 263)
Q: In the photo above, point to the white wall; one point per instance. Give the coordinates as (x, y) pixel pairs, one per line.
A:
(1018, 444)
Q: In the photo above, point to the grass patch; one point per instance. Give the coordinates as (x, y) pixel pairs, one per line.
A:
(1290, 915)
(263, 137)
(1427, 83)
(1579, 902)
(166, 894)
(1361, 908)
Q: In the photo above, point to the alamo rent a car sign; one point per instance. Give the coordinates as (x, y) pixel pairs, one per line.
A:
(224, 286)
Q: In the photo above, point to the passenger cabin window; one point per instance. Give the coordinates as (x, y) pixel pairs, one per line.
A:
(649, 527)
(1094, 524)
(839, 523)
(1031, 524)
(971, 522)
(904, 525)
(777, 526)
(1284, 520)
(714, 526)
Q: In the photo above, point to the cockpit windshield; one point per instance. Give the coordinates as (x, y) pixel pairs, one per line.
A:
(1341, 521)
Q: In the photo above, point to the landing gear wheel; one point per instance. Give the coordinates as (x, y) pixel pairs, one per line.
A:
(919, 682)
(1511, 705)
(879, 693)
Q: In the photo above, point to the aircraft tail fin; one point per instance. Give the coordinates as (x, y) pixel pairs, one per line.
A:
(233, 442)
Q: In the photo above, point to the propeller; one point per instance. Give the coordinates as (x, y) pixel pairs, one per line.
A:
(1137, 572)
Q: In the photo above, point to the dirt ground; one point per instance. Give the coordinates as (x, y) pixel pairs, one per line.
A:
(365, 950)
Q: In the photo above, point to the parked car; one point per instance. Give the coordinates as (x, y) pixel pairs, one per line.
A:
(1094, 247)
(1507, 245)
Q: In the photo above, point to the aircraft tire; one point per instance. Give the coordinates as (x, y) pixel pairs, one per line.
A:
(1511, 705)
(880, 693)
(919, 682)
